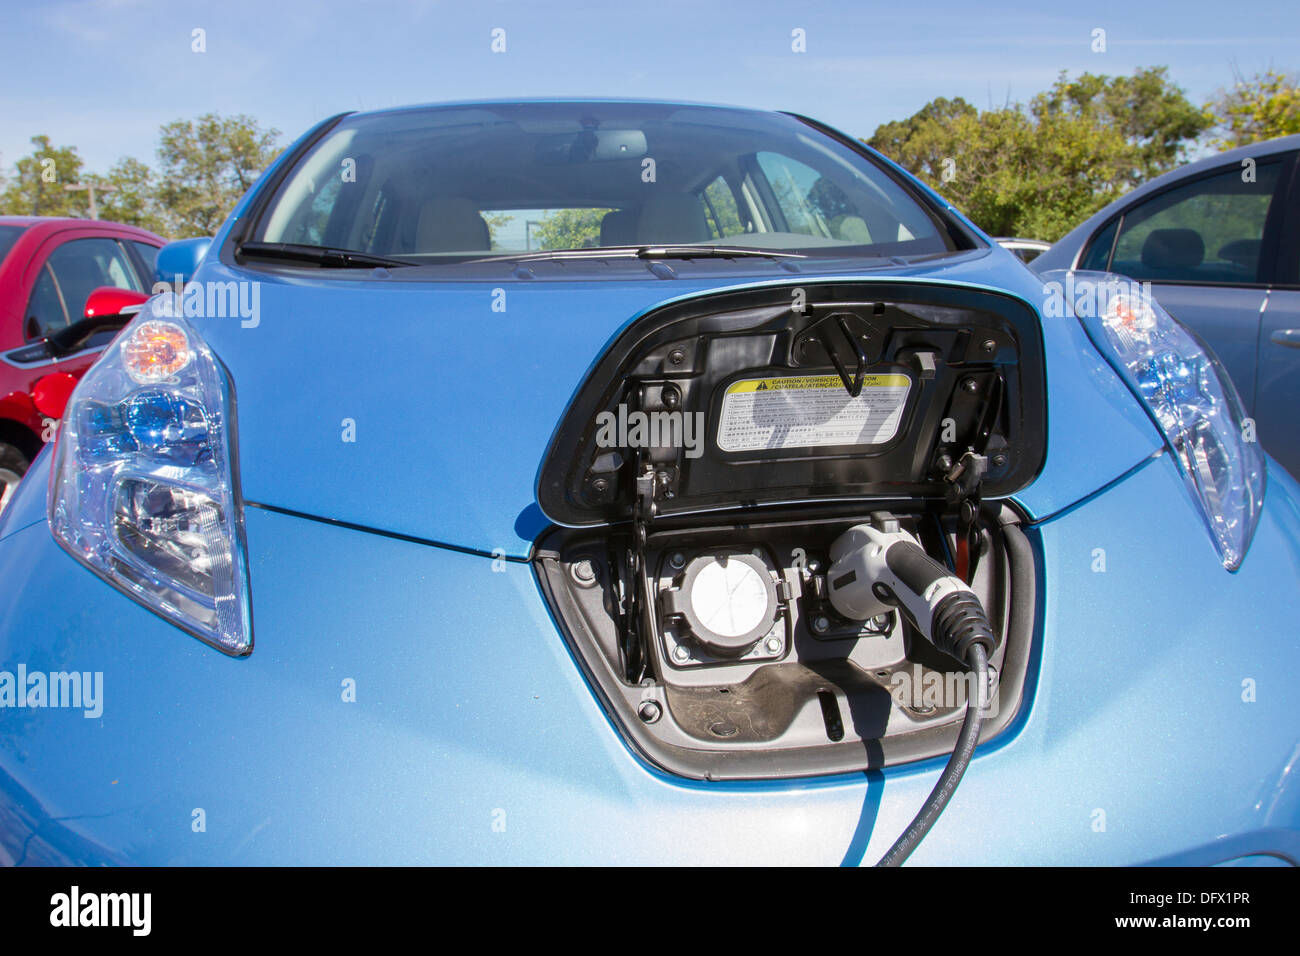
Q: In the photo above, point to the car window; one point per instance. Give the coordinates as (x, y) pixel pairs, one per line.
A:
(535, 230)
(449, 183)
(1209, 230)
(8, 236)
(1097, 255)
(792, 184)
(814, 205)
(75, 269)
(150, 256)
(45, 311)
(721, 210)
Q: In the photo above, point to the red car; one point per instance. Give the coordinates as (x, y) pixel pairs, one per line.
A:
(51, 328)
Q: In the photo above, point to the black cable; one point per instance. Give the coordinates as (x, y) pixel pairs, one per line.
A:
(969, 736)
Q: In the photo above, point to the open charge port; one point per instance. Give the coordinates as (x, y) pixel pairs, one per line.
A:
(721, 656)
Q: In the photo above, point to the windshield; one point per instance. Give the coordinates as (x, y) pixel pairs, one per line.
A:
(444, 184)
(8, 236)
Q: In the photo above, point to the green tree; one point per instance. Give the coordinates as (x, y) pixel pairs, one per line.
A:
(1264, 107)
(37, 187)
(1041, 168)
(1154, 116)
(926, 140)
(131, 196)
(570, 229)
(206, 165)
(496, 221)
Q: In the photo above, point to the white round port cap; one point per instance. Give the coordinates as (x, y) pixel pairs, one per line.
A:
(729, 597)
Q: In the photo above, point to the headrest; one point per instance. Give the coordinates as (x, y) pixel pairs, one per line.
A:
(672, 217)
(618, 228)
(1173, 249)
(451, 224)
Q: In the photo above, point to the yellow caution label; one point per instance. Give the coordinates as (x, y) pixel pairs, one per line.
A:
(815, 381)
(810, 411)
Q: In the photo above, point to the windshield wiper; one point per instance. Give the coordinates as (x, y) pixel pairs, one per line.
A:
(713, 252)
(646, 252)
(320, 255)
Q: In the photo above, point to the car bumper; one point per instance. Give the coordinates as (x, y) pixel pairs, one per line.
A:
(474, 739)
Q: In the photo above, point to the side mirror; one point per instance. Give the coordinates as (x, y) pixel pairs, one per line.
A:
(180, 258)
(107, 300)
(107, 310)
(51, 392)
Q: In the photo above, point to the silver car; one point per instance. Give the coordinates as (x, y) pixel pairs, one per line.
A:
(1219, 241)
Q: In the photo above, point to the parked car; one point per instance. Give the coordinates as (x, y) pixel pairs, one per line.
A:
(1026, 250)
(724, 540)
(49, 268)
(1219, 241)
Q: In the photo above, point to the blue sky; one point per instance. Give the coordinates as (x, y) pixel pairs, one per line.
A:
(103, 75)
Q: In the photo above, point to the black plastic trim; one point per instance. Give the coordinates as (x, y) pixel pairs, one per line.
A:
(1021, 590)
(898, 468)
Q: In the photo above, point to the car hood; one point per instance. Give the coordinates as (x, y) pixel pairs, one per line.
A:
(425, 408)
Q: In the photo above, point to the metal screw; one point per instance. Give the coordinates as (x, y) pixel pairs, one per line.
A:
(680, 654)
(880, 621)
(671, 396)
(774, 645)
(970, 385)
(584, 572)
(599, 485)
(989, 345)
(821, 623)
(677, 560)
(676, 357)
(999, 460)
(649, 711)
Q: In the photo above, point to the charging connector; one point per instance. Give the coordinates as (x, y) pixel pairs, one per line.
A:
(878, 566)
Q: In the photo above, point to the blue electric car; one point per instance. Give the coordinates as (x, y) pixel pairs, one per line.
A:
(637, 482)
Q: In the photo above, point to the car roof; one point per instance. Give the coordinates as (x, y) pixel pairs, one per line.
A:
(1252, 151)
(46, 225)
(1070, 246)
(1265, 148)
(574, 100)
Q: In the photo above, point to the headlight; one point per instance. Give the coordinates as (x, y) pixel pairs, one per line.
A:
(1189, 396)
(143, 488)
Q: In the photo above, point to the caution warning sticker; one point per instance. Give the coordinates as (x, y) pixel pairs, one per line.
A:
(810, 412)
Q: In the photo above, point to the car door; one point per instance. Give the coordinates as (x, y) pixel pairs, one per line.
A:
(1205, 246)
(71, 270)
(1277, 389)
(61, 277)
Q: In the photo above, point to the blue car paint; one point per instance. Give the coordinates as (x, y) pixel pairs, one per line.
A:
(517, 370)
(425, 358)
(469, 711)
(473, 737)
